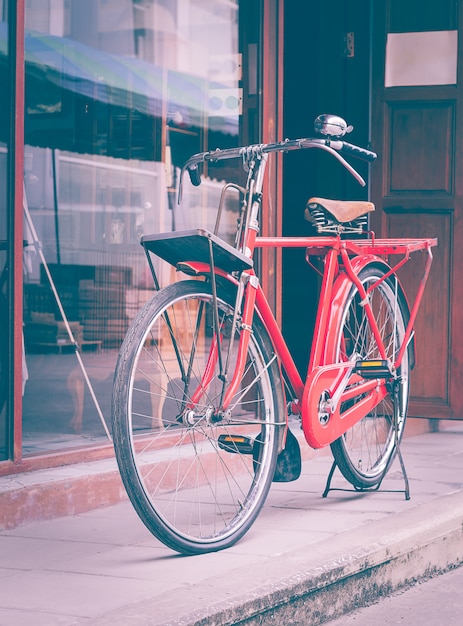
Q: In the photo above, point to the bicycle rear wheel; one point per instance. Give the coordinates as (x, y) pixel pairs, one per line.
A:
(365, 452)
(197, 479)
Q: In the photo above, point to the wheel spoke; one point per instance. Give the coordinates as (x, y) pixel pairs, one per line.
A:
(193, 492)
(366, 451)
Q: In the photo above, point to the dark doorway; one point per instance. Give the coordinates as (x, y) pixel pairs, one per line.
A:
(322, 74)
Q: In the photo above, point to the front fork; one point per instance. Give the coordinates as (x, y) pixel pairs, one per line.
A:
(248, 286)
(245, 299)
(251, 283)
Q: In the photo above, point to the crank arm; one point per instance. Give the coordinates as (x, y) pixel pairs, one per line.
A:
(336, 391)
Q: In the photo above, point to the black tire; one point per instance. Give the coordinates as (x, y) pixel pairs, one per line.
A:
(195, 494)
(365, 452)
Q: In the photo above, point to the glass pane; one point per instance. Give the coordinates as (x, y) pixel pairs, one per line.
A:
(4, 113)
(118, 95)
(428, 58)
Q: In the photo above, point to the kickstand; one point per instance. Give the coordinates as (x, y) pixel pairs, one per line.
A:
(406, 489)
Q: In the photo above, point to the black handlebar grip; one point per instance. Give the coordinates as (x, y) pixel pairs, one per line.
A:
(360, 153)
(195, 178)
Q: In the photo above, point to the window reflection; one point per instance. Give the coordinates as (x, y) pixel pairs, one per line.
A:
(4, 116)
(118, 95)
(3, 305)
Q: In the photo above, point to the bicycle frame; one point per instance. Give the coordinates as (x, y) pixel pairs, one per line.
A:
(343, 261)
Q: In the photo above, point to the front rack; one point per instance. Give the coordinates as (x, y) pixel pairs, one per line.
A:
(197, 246)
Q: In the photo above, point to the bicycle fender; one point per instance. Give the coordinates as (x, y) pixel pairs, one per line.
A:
(198, 268)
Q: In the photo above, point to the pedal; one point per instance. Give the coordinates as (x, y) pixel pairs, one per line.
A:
(375, 368)
(236, 444)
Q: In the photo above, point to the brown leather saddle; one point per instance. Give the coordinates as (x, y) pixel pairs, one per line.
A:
(338, 216)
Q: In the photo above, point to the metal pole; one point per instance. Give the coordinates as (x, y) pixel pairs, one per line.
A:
(38, 246)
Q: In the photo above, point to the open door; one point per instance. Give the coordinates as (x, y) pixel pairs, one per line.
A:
(326, 70)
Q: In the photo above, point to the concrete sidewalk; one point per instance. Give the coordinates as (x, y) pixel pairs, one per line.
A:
(307, 559)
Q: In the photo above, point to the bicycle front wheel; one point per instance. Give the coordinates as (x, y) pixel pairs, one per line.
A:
(197, 476)
(365, 452)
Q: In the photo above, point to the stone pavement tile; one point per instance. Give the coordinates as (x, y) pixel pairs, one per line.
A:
(18, 617)
(27, 553)
(437, 473)
(122, 512)
(116, 525)
(4, 573)
(322, 519)
(74, 594)
(433, 443)
(436, 481)
(345, 500)
(448, 462)
(306, 499)
(148, 564)
(417, 461)
(263, 541)
(345, 513)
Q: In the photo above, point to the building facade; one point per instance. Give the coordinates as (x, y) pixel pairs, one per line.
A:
(102, 102)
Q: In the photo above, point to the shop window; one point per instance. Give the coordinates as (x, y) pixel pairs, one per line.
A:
(118, 95)
(4, 369)
(4, 322)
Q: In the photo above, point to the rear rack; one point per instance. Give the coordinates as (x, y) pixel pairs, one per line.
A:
(320, 245)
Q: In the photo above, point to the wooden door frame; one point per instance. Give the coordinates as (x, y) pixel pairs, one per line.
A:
(450, 206)
(271, 127)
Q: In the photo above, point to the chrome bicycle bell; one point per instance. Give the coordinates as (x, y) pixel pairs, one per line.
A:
(331, 126)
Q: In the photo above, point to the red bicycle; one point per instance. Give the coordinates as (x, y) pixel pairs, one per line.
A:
(205, 381)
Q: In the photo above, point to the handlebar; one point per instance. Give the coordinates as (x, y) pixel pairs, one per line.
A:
(360, 153)
(335, 147)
